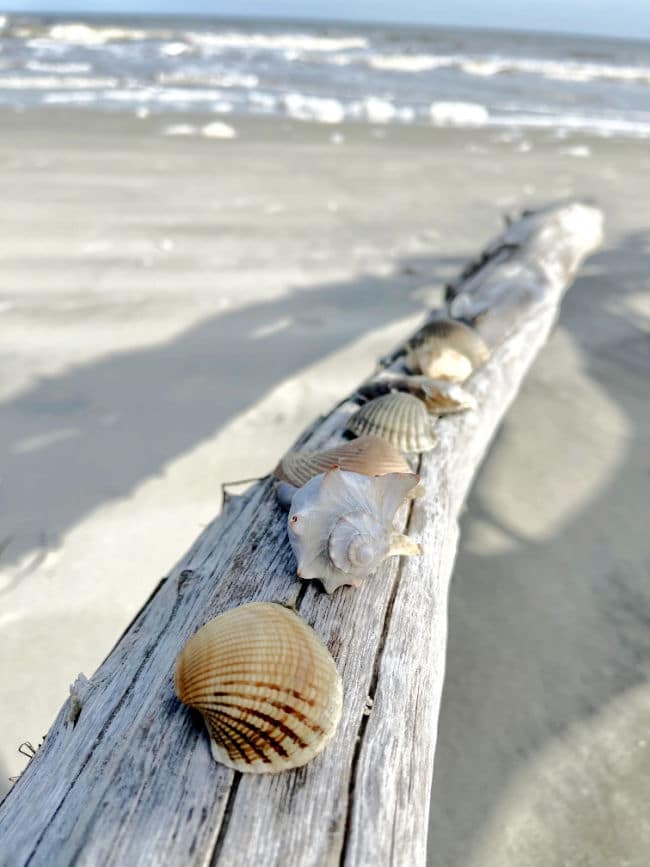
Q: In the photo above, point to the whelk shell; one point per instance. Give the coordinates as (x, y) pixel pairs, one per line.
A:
(399, 418)
(341, 525)
(266, 685)
(369, 455)
(446, 349)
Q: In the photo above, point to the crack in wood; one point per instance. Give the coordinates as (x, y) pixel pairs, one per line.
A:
(363, 724)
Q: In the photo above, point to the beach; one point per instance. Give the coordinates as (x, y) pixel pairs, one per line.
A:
(177, 305)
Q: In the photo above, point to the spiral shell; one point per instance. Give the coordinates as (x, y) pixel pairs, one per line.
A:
(266, 685)
(371, 456)
(399, 418)
(341, 525)
(447, 349)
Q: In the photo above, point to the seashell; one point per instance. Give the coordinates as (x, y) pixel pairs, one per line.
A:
(399, 418)
(266, 685)
(446, 349)
(369, 455)
(440, 396)
(341, 525)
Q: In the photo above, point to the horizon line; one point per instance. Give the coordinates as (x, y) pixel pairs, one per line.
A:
(316, 19)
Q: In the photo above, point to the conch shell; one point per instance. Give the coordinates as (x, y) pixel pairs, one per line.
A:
(369, 455)
(399, 418)
(341, 525)
(447, 349)
(266, 685)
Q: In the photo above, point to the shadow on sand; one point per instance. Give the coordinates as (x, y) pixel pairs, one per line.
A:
(545, 633)
(75, 441)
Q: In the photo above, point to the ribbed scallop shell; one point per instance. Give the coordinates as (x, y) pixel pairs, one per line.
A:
(399, 418)
(447, 349)
(266, 685)
(369, 455)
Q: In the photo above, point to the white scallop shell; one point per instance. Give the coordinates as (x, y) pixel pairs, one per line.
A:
(399, 418)
(341, 525)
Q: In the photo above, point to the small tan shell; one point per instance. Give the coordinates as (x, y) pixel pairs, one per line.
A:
(447, 349)
(266, 685)
(440, 396)
(369, 455)
(399, 418)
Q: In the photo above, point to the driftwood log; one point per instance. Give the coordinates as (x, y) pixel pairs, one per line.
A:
(125, 775)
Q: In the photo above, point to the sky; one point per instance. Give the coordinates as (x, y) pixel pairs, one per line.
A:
(603, 17)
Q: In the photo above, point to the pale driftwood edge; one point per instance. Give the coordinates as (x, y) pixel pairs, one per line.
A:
(125, 776)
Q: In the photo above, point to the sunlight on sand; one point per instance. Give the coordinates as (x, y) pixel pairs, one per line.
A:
(583, 798)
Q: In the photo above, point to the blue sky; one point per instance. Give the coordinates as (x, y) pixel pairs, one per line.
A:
(605, 17)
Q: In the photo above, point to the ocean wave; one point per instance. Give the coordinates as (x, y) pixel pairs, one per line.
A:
(195, 77)
(321, 109)
(79, 97)
(458, 114)
(556, 70)
(53, 82)
(298, 42)
(58, 68)
(86, 34)
(174, 49)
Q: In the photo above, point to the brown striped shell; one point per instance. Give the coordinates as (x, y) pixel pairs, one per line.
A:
(266, 685)
(447, 349)
(369, 455)
(399, 418)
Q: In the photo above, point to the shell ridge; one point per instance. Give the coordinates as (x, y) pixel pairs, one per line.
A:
(218, 733)
(258, 734)
(283, 706)
(286, 730)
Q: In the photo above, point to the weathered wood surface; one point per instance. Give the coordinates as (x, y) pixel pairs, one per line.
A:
(125, 776)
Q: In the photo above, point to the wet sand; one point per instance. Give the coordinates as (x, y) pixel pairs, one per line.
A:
(175, 309)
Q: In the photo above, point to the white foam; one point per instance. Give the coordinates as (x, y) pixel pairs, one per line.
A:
(217, 129)
(379, 110)
(79, 97)
(58, 68)
(174, 49)
(85, 34)
(577, 151)
(194, 77)
(458, 114)
(264, 101)
(408, 62)
(53, 82)
(277, 42)
(180, 129)
(315, 108)
(557, 70)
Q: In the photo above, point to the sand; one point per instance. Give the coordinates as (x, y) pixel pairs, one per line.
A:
(175, 309)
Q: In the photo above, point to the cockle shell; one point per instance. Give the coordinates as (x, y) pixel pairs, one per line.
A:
(369, 455)
(399, 418)
(266, 685)
(447, 349)
(440, 396)
(341, 525)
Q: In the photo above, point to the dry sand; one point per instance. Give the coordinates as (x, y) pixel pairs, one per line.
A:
(175, 309)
